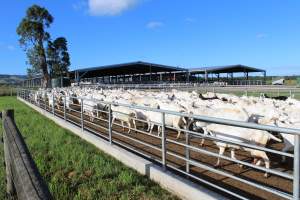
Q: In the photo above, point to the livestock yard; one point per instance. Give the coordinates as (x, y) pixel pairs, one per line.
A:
(199, 102)
(73, 168)
(189, 133)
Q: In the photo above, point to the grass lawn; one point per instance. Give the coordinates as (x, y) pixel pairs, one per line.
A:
(7, 90)
(72, 168)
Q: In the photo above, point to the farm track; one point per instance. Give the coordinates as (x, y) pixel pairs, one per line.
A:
(153, 154)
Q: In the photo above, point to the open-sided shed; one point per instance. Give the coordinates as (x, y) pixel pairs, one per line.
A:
(229, 70)
(123, 71)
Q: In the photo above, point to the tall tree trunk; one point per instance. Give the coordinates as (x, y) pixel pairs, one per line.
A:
(44, 67)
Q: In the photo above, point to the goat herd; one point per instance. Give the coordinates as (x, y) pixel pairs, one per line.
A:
(280, 111)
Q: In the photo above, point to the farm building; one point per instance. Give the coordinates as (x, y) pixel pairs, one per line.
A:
(215, 74)
(150, 73)
(144, 72)
(134, 72)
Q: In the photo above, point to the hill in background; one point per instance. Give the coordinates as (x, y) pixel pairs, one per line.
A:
(11, 79)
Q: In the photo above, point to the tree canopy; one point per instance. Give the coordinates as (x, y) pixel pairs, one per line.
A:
(33, 34)
(34, 38)
(58, 57)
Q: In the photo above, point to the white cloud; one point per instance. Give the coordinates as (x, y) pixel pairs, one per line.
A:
(110, 7)
(190, 20)
(11, 47)
(154, 24)
(6, 46)
(79, 5)
(261, 35)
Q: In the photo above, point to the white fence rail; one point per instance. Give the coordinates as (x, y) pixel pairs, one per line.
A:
(165, 148)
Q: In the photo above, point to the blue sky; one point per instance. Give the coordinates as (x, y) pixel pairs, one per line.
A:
(185, 33)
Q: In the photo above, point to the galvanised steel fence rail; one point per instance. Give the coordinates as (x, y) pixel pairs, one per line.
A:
(63, 107)
(247, 90)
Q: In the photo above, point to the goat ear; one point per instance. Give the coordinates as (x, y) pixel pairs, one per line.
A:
(274, 119)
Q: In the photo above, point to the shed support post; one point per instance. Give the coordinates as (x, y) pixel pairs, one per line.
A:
(174, 77)
(188, 77)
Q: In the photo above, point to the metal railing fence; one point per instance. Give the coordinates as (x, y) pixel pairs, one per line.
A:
(163, 153)
(247, 90)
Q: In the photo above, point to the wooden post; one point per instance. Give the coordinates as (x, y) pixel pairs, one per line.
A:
(22, 176)
(10, 189)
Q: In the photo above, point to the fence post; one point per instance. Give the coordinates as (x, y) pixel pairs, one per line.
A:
(45, 106)
(10, 189)
(65, 115)
(81, 115)
(290, 93)
(53, 103)
(110, 124)
(296, 188)
(38, 101)
(163, 141)
(187, 152)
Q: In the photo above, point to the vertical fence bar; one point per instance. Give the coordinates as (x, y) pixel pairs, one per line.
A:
(53, 103)
(163, 141)
(81, 114)
(110, 124)
(65, 114)
(38, 101)
(187, 152)
(45, 106)
(290, 93)
(296, 188)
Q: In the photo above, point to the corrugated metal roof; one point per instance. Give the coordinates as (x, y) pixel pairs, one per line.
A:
(225, 69)
(140, 63)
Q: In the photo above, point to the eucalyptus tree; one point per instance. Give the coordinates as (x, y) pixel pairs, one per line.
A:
(58, 58)
(33, 36)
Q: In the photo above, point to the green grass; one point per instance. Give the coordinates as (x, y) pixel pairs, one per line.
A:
(6, 90)
(72, 168)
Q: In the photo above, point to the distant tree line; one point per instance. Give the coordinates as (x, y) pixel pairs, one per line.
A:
(46, 57)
